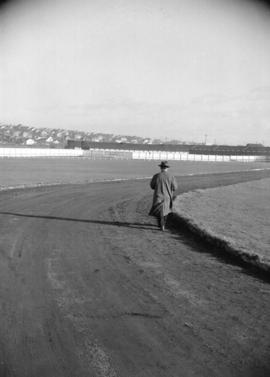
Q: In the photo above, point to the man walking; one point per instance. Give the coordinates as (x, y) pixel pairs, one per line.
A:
(163, 184)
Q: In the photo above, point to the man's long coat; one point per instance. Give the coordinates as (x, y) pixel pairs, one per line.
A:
(163, 184)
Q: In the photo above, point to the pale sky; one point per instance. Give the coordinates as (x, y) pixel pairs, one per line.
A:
(178, 69)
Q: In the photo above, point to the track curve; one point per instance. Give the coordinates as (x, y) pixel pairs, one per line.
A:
(90, 287)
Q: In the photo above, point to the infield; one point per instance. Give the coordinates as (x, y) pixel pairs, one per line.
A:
(235, 216)
(38, 171)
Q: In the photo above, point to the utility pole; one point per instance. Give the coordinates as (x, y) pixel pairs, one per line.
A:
(205, 138)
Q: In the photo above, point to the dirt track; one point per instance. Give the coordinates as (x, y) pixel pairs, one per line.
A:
(90, 287)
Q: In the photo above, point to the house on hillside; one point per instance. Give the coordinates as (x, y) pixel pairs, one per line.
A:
(30, 142)
(49, 140)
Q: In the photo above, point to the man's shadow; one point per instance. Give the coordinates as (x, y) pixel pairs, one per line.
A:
(144, 226)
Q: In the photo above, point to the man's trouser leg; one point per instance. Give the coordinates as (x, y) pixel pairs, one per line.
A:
(165, 220)
(162, 220)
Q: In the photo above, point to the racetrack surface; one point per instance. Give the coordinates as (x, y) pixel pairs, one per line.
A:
(90, 287)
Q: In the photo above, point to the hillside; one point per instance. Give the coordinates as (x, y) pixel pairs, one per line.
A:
(56, 137)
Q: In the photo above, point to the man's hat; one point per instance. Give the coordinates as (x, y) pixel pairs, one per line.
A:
(164, 164)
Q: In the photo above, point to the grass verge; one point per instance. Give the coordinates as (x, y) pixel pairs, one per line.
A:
(233, 218)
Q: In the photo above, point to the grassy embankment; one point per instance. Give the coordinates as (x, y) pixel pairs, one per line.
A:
(234, 217)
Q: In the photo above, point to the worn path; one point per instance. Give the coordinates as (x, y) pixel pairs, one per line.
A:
(90, 287)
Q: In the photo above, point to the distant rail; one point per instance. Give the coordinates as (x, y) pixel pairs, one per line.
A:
(40, 152)
(106, 152)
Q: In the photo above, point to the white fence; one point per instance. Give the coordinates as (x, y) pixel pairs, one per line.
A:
(39, 152)
(198, 157)
(185, 156)
(135, 155)
(159, 155)
(173, 156)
